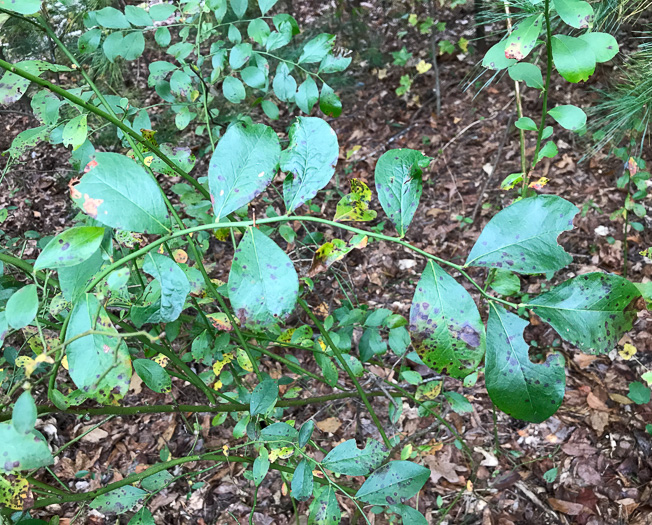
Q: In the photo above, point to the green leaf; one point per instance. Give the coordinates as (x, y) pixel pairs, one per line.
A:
(71, 247)
(526, 123)
(73, 279)
(309, 160)
(118, 192)
(398, 178)
(254, 77)
(266, 5)
(233, 90)
(244, 163)
(591, 311)
(550, 475)
(576, 13)
(639, 393)
(261, 466)
(573, 57)
(163, 11)
(270, 109)
(569, 117)
(284, 85)
(22, 452)
(409, 515)
(371, 344)
(523, 237)
(307, 95)
(302, 482)
(89, 41)
(280, 433)
(138, 17)
(22, 307)
(119, 500)
(317, 48)
(355, 205)
(239, 55)
(24, 7)
(239, 7)
(603, 45)
(4, 327)
(156, 481)
(505, 283)
(348, 459)
(528, 73)
(263, 284)
(517, 386)
(445, 324)
(495, 58)
(111, 18)
(23, 415)
(153, 375)
(75, 132)
(45, 106)
(163, 36)
(263, 397)
(306, 432)
(549, 150)
(258, 31)
(523, 38)
(142, 517)
(393, 483)
(113, 46)
(325, 510)
(329, 102)
(13, 86)
(459, 404)
(99, 365)
(334, 64)
(182, 157)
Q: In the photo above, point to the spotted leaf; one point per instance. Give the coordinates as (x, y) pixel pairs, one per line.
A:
(19, 451)
(71, 247)
(153, 375)
(576, 13)
(522, 238)
(120, 500)
(355, 205)
(393, 483)
(118, 192)
(263, 284)
(398, 177)
(309, 160)
(244, 163)
(517, 386)
(445, 325)
(325, 510)
(98, 364)
(348, 459)
(523, 38)
(333, 251)
(590, 311)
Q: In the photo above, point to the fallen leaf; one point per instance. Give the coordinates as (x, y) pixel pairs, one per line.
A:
(567, 507)
(331, 424)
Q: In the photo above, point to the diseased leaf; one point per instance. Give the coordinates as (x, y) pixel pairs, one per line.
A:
(398, 177)
(244, 163)
(20, 451)
(325, 510)
(523, 38)
(393, 483)
(302, 482)
(409, 515)
(99, 365)
(355, 205)
(263, 284)
(348, 459)
(522, 238)
(603, 45)
(118, 192)
(334, 251)
(263, 397)
(329, 103)
(445, 325)
(71, 247)
(143, 516)
(279, 433)
(591, 311)
(153, 375)
(309, 160)
(517, 386)
(120, 500)
(495, 58)
(576, 13)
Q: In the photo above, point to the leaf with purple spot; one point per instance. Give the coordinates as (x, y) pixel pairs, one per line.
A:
(522, 237)
(398, 177)
(120, 500)
(523, 38)
(71, 247)
(309, 160)
(517, 386)
(445, 325)
(576, 13)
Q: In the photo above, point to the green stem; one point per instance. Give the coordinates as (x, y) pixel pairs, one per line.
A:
(100, 113)
(222, 407)
(544, 111)
(347, 369)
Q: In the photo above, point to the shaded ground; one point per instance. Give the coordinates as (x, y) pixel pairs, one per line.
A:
(596, 440)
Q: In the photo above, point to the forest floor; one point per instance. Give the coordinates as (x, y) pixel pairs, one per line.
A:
(597, 439)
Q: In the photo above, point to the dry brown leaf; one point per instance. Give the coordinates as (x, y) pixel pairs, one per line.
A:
(331, 424)
(623, 400)
(599, 421)
(567, 507)
(584, 360)
(441, 467)
(595, 402)
(94, 436)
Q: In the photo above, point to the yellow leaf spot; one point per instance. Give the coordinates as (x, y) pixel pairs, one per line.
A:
(280, 453)
(219, 365)
(180, 256)
(14, 490)
(412, 19)
(627, 352)
(220, 321)
(382, 73)
(244, 361)
(225, 449)
(539, 184)
(64, 362)
(148, 160)
(423, 67)
(161, 360)
(218, 384)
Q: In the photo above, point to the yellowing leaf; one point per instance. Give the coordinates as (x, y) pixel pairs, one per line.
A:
(161, 360)
(219, 365)
(30, 364)
(330, 424)
(148, 160)
(464, 44)
(333, 251)
(647, 377)
(14, 491)
(286, 336)
(428, 391)
(632, 167)
(353, 150)
(64, 362)
(355, 205)
(180, 256)
(382, 73)
(220, 321)
(627, 352)
(280, 453)
(539, 184)
(412, 19)
(244, 361)
(423, 67)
